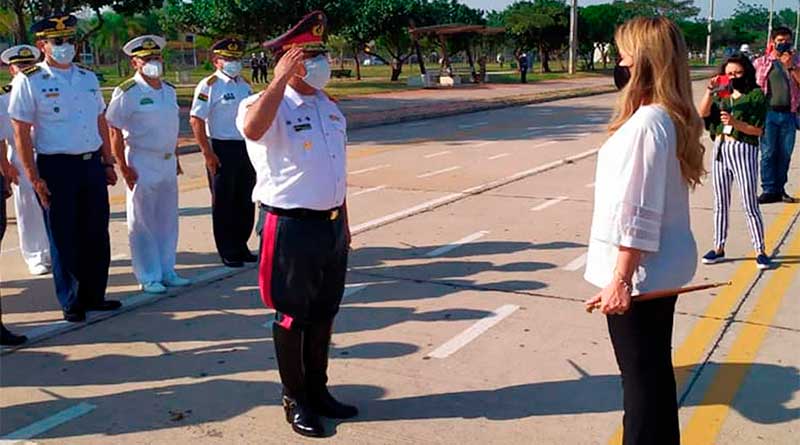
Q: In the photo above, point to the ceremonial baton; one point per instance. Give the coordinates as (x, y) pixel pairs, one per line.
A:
(664, 293)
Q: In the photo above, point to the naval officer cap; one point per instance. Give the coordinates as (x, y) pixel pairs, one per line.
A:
(231, 48)
(143, 46)
(20, 54)
(308, 34)
(55, 26)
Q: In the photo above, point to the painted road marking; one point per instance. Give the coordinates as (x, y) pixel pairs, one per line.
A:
(473, 332)
(557, 127)
(544, 144)
(705, 330)
(549, 203)
(369, 190)
(417, 124)
(456, 244)
(477, 124)
(440, 153)
(501, 155)
(707, 419)
(47, 424)
(438, 172)
(119, 257)
(369, 169)
(576, 264)
(352, 289)
(483, 144)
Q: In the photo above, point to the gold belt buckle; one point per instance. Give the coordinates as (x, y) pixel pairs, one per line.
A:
(334, 214)
(167, 156)
(86, 156)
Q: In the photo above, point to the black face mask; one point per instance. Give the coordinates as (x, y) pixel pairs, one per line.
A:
(739, 84)
(783, 47)
(622, 74)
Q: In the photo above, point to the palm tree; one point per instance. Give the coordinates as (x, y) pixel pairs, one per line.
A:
(116, 30)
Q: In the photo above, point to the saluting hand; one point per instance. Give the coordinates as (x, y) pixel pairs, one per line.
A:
(130, 176)
(40, 187)
(290, 64)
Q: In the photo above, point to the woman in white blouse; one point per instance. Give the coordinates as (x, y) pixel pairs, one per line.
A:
(641, 238)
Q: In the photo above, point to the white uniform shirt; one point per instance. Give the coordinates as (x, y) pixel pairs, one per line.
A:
(6, 132)
(148, 117)
(216, 101)
(641, 201)
(62, 106)
(300, 161)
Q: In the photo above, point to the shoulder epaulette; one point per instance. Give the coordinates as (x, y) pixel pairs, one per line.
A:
(31, 69)
(167, 83)
(127, 85)
(211, 79)
(331, 98)
(6, 89)
(82, 66)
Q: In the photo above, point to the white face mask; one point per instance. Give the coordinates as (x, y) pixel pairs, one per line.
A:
(63, 53)
(232, 68)
(153, 69)
(318, 72)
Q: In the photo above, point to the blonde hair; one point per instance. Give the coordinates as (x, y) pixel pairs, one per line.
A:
(661, 75)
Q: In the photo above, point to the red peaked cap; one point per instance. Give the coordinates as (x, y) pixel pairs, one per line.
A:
(308, 33)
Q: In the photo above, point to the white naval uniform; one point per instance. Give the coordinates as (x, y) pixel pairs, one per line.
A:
(33, 242)
(300, 161)
(149, 122)
(216, 101)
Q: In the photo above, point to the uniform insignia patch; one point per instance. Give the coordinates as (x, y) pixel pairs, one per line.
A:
(56, 109)
(302, 127)
(6, 88)
(127, 85)
(203, 97)
(229, 96)
(146, 101)
(211, 80)
(30, 70)
(52, 94)
(307, 145)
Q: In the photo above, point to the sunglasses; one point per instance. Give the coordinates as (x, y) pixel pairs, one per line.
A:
(62, 40)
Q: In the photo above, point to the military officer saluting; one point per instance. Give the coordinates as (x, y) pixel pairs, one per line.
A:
(33, 242)
(62, 103)
(296, 139)
(143, 124)
(231, 176)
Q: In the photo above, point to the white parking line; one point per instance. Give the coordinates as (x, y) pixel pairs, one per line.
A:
(582, 135)
(544, 144)
(549, 203)
(576, 264)
(483, 144)
(438, 172)
(477, 124)
(483, 325)
(47, 424)
(369, 190)
(369, 169)
(417, 124)
(501, 155)
(439, 153)
(352, 289)
(456, 244)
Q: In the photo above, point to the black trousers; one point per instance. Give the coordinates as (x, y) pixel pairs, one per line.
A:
(254, 75)
(523, 76)
(77, 226)
(642, 339)
(233, 211)
(2, 207)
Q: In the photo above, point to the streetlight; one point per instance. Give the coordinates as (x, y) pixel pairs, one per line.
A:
(797, 25)
(771, 11)
(573, 35)
(708, 36)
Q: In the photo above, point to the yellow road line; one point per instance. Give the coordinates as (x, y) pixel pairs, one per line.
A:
(691, 351)
(708, 418)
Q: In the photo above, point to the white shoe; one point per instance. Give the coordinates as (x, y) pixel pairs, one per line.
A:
(39, 269)
(175, 280)
(154, 287)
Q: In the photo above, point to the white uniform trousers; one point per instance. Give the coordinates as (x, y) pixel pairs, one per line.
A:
(152, 213)
(33, 241)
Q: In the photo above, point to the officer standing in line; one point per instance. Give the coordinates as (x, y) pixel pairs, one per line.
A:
(33, 242)
(231, 176)
(7, 338)
(143, 124)
(296, 139)
(523, 68)
(63, 105)
(254, 67)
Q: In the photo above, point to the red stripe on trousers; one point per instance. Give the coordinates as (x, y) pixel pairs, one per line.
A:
(268, 239)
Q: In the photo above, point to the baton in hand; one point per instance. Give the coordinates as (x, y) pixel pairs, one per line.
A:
(664, 293)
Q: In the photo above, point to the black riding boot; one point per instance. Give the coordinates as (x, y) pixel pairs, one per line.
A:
(316, 346)
(289, 352)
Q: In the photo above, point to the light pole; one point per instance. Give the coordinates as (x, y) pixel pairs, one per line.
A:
(708, 36)
(573, 35)
(797, 25)
(771, 11)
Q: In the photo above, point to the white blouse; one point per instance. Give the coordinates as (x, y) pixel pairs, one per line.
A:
(641, 201)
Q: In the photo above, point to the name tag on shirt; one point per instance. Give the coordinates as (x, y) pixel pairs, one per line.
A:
(302, 127)
(146, 101)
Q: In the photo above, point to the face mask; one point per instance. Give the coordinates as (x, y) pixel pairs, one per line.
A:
(63, 53)
(622, 75)
(153, 69)
(784, 47)
(318, 72)
(232, 68)
(739, 84)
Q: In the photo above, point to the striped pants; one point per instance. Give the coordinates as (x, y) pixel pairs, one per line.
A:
(736, 160)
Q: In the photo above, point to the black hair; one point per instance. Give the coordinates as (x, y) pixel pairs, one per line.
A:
(749, 71)
(780, 31)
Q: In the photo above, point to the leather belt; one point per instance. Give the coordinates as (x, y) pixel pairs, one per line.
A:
(300, 213)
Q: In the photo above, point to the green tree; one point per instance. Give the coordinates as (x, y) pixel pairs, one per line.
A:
(540, 24)
(673, 9)
(596, 27)
(109, 39)
(694, 33)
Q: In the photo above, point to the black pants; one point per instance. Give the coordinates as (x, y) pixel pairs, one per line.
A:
(233, 211)
(254, 75)
(523, 76)
(77, 226)
(2, 223)
(642, 340)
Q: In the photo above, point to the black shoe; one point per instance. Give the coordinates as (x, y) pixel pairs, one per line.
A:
(233, 263)
(8, 338)
(788, 198)
(74, 315)
(769, 198)
(105, 305)
(304, 421)
(323, 403)
(249, 258)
